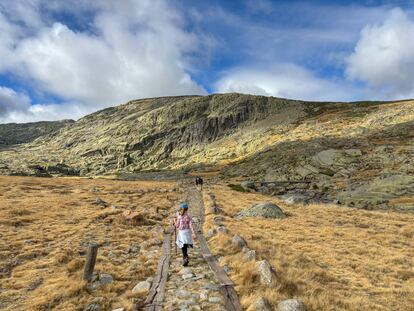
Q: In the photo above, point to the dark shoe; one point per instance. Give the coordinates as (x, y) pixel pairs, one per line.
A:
(185, 262)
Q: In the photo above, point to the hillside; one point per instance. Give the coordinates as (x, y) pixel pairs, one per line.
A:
(356, 154)
(13, 133)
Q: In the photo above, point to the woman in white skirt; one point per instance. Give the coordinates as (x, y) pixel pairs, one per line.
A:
(186, 234)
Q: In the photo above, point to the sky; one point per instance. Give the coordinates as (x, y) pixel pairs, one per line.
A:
(65, 59)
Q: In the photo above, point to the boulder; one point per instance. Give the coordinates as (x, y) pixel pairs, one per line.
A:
(250, 255)
(248, 185)
(291, 199)
(291, 305)
(262, 209)
(261, 305)
(266, 272)
(353, 152)
(334, 158)
(238, 241)
(222, 229)
(211, 233)
(141, 288)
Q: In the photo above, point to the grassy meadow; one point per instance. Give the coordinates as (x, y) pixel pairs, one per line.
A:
(46, 225)
(332, 258)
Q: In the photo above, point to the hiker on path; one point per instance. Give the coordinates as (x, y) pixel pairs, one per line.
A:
(199, 181)
(186, 234)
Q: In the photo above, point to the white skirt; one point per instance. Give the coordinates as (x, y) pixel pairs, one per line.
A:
(184, 237)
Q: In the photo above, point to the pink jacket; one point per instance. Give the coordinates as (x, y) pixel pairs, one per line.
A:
(183, 222)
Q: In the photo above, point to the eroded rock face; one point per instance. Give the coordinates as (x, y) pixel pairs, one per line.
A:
(291, 305)
(262, 209)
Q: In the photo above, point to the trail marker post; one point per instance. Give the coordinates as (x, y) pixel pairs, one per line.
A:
(90, 261)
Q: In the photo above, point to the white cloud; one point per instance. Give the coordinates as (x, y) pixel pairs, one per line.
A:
(132, 49)
(17, 107)
(11, 101)
(283, 80)
(384, 57)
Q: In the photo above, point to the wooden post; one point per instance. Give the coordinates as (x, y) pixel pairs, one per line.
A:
(90, 261)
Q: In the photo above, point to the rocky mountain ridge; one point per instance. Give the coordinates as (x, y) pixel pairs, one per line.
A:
(20, 133)
(356, 154)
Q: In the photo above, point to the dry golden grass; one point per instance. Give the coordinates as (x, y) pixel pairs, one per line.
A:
(332, 258)
(45, 225)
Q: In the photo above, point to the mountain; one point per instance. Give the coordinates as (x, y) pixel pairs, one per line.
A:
(14, 133)
(358, 154)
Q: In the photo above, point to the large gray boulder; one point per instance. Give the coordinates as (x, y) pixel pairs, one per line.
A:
(264, 210)
(291, 305)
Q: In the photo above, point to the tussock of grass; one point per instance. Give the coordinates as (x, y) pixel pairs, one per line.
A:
(236, 187)
(332, 258)
(46, 225)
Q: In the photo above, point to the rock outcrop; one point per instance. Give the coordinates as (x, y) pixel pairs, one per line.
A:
(264, 210)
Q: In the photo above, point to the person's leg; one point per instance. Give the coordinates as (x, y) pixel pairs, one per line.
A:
(185, 255)
(185, 251)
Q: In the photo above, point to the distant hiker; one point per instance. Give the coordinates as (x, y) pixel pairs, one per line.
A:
(186, 233)
(199, 182)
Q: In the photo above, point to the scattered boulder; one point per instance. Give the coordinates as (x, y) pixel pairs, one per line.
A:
(261, 305)
(291, 305)
(266, 272)
(250, 255)
(100, 202)
(353, 152)
(211, 233)
(248, 185)
(105, 278)
(141, 288)
(222, 229)
(335, 158)
(238, 241)
(96, 304)
(262, 209)
(186, 270)
(295, 199)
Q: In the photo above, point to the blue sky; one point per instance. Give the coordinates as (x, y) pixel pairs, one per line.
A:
(61, 59)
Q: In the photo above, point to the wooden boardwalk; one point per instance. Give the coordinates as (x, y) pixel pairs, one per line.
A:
(206, 287)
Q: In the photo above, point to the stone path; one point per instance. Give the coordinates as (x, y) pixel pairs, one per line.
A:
(193, 287)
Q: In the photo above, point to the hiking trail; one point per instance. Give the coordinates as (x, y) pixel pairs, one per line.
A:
(201, 285)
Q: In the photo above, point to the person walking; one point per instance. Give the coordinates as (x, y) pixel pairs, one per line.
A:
(186, 235)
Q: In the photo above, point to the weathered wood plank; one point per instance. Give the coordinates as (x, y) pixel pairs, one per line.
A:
(157, 291)
(90, 261)
(231, 301)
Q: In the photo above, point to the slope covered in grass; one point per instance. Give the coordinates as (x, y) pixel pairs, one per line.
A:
(330, 257)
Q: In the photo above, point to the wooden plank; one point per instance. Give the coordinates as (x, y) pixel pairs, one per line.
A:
(90, 261)
(157, 291)
(231, 301)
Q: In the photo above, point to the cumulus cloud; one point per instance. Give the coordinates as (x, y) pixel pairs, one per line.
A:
(12, 101)
(131, 49)
(384, 57)
(17, 107)
(283, 80)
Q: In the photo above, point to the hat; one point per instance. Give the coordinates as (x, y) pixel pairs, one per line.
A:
(183, 205)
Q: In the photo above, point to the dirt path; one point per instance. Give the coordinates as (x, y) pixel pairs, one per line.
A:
(189, 288)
